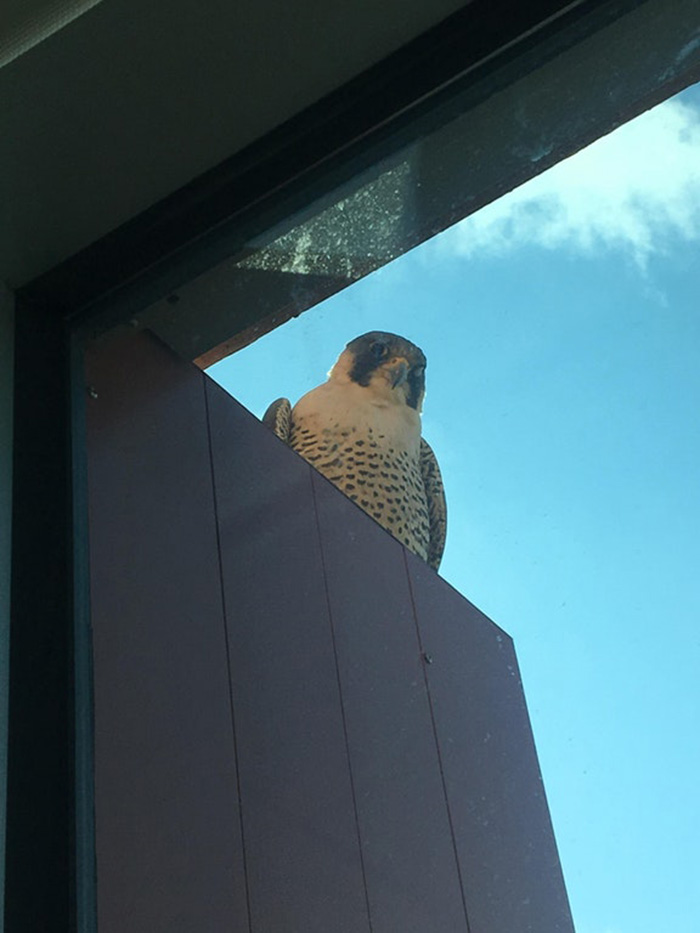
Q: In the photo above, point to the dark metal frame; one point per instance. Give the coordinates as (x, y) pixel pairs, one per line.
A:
(40, 865)
(452, 67)
(50, 873)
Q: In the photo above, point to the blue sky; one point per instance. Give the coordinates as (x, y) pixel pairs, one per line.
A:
(562, 330)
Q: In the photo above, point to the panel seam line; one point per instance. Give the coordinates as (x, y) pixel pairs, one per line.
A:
(228, 651)
(340, 697)
(437, 743)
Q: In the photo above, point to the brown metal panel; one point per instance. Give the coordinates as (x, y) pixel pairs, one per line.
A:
(510, 867)
(169, 855)
(254, 623)
(301, 839)
(410, 862)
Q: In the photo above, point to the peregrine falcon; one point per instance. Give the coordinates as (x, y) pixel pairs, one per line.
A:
(362, 430)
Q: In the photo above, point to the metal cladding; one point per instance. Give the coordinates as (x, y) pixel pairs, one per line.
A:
(298, 724)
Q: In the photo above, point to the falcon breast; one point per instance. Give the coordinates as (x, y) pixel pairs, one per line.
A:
(362, 430)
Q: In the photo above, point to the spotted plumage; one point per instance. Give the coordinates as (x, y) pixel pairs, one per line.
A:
(361, 429)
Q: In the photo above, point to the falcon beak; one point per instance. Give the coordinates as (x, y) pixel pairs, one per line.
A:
(398, 371)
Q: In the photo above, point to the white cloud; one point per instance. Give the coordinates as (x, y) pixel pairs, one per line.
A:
(634, 190)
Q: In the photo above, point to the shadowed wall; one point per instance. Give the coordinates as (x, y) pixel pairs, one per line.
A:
(299, 726)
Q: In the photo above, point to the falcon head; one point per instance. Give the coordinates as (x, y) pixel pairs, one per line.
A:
(389, 366)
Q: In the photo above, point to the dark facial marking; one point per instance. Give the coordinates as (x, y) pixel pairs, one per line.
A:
(370, 351)
(379, 350)
(416, 385)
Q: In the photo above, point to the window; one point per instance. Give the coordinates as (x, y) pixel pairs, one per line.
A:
(561, 330)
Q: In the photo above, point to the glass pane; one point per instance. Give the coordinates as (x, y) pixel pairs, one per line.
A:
(561, 330)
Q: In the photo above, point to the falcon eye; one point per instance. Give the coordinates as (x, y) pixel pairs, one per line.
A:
(419, 370)
(378, 350)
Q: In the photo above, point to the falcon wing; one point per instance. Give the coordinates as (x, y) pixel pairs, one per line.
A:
(437, 507)
(278, 418)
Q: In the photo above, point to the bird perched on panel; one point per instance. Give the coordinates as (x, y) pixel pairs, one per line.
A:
(362, 430)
